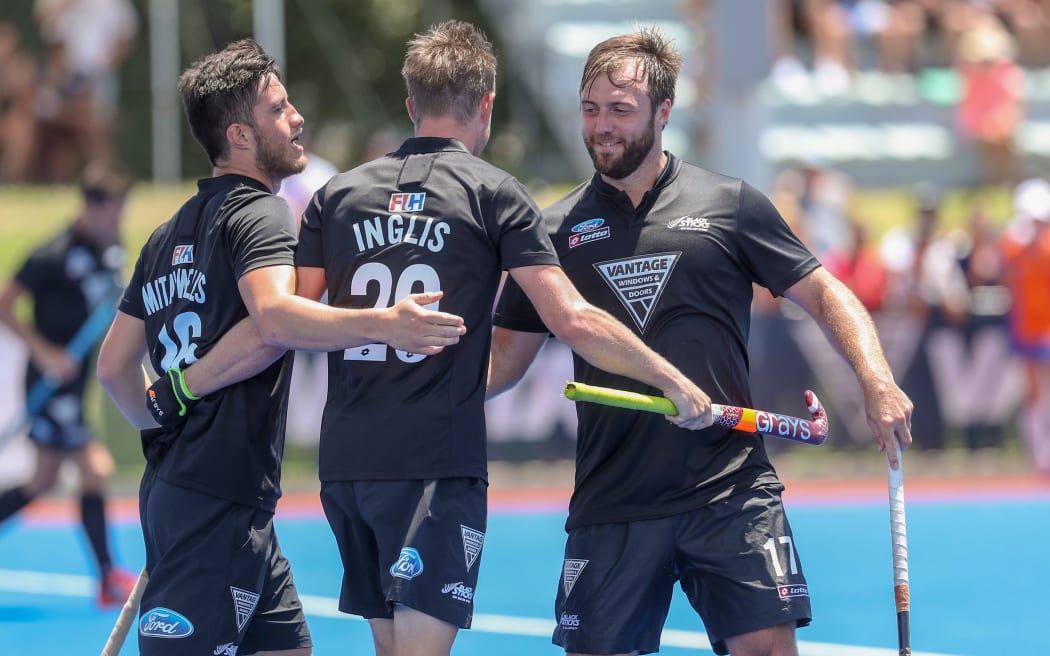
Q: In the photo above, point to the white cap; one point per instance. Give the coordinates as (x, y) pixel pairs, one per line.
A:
(1032, 199)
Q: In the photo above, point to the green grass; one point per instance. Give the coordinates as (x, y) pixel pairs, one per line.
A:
(29, 214)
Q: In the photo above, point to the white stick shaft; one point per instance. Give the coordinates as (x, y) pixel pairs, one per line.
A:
(899, 532)
(128, 615)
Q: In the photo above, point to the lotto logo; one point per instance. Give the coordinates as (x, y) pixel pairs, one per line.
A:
(582, 238)
(786, 591)
(407, 202)
(183, 254)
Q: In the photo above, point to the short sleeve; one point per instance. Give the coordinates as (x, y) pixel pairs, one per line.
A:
(774, 256)
(262, 233)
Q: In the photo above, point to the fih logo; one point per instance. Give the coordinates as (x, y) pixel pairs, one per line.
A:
(407, 202)
(408, 566)
(164, 623)
(183, 254)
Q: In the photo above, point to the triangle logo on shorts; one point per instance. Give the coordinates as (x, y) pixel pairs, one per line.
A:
(472, 543)
(244, 603)
(570, 571)
(638, 282)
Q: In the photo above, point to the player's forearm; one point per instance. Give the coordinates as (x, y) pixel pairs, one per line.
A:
(609, 345)
(293, 322)
(851, 330)
(238, 355)
(511, 354)
(119, 369)
(127, 388)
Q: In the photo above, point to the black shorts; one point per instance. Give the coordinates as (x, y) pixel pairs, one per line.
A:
(219, 583)
(735, 560)
(415, 542)
(60, 424)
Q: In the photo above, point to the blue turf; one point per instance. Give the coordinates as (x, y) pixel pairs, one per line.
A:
(977, 580)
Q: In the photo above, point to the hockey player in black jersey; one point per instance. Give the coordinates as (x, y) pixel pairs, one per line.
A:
(220, 269)
(673, 250)
(403, 443)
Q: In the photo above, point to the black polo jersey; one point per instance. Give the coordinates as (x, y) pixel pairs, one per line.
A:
(679, 271)
(68, 277)
(427, 217)
(185, 289)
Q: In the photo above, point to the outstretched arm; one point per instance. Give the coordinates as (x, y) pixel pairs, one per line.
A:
(283, 304)
(510, 356)
(290, 321)
(608, 344)
(850, 329)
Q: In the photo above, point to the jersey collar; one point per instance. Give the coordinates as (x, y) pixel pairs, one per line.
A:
(210, 185)
(432, 145)
(621, 199)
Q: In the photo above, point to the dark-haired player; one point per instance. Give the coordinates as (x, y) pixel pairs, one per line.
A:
(220, 269)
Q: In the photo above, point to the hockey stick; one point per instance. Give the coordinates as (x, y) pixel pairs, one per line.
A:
(78, 348)
(805, 431)
(899, 535)
(128, 614)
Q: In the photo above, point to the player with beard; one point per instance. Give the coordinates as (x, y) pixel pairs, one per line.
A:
(221, 268)
(674, 250)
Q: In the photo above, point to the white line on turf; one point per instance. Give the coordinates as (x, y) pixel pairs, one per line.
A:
(71, 585)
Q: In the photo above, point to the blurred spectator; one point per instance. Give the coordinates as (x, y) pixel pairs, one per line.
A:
(980, 256)
(991, 107)
(87, 42)
(862, 269)
(298, 189)
(925, 277)
(984, 341)
(925, 291)
(17, 117)
(825, 200)
(1029, 22)
(1026, 252)
(828, 26)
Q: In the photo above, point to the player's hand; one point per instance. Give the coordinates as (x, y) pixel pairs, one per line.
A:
(55, 364)
(889, 416)
(416, 329)
(168, 399)
(694, 406)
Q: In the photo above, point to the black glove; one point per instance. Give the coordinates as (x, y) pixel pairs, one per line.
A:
(168, 400)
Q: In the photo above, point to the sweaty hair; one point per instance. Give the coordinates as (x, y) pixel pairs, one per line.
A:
(220, 89)
(449, 70)
(103, 181)
(659, 62)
